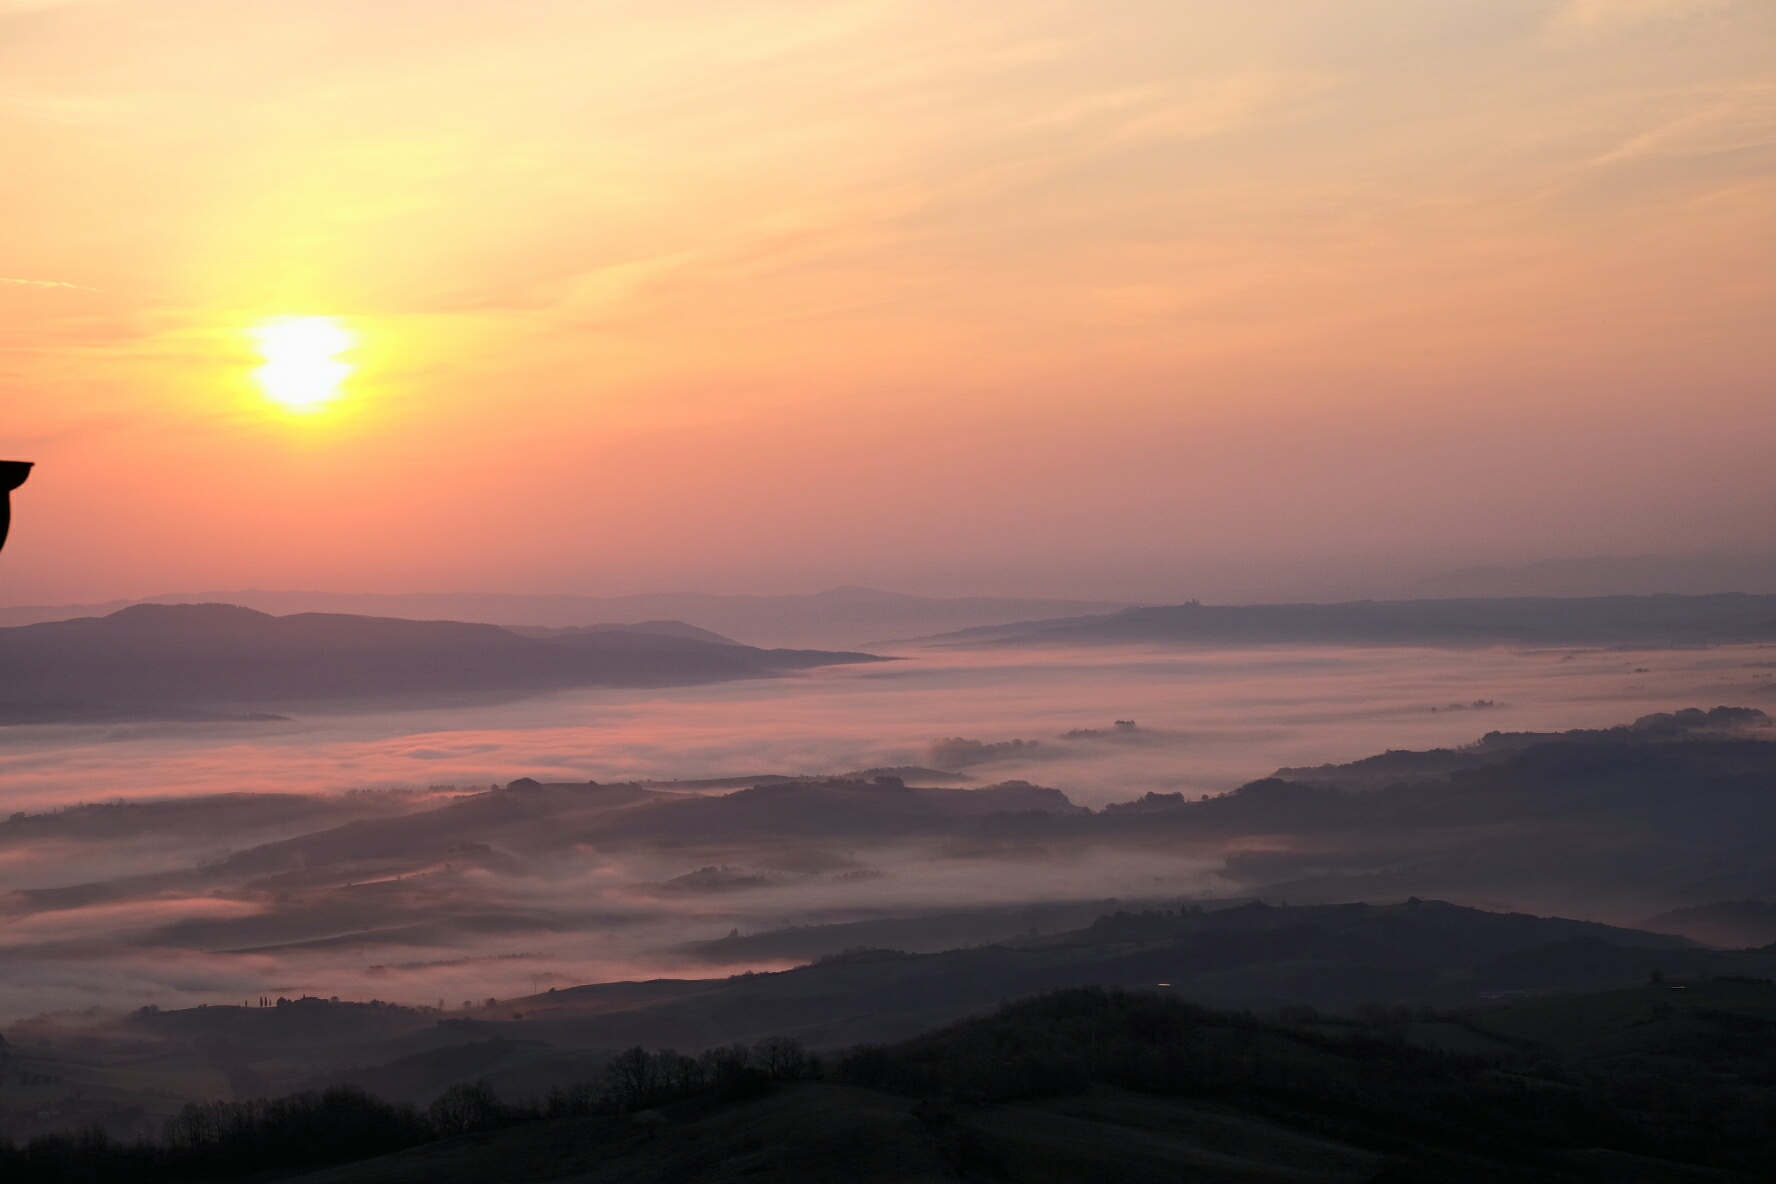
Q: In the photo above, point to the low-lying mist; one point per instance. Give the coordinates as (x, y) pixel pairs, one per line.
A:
(201, 889)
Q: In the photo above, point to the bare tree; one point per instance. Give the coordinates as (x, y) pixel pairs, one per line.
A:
(632, 1077)
(782, 1058)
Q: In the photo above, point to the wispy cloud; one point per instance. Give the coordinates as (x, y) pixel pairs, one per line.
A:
(23, 283)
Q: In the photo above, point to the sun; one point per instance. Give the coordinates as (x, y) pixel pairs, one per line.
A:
(302, 370)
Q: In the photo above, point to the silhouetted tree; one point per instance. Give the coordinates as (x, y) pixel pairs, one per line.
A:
(632, 1077)
(471, 1107)
(782, 1059)
(676, 1073)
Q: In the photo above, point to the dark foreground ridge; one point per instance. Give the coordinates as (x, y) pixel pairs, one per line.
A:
(1337, 958)
(1664, 1082)
(206, 655)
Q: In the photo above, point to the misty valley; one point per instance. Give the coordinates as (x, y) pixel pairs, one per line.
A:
(731, 591)
(1039, 911)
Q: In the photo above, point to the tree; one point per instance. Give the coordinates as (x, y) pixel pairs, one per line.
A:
(464, 1108)
(782, 1059)
(632, 1077)
(731, 1073)
(678, 1074)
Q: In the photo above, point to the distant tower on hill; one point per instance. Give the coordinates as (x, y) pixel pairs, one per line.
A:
(12, 475)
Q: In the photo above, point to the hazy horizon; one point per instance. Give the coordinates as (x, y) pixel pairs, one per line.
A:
(1351, 578)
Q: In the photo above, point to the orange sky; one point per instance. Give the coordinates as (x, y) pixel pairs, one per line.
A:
(1090, 298)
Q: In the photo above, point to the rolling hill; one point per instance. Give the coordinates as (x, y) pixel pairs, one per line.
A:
(207, 655)
(1661, 1083)
(845, 617)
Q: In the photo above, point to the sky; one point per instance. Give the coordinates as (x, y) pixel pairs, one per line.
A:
(1131, 299)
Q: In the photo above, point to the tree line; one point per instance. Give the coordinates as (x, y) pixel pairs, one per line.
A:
(319, 1128)
(1699, 1088)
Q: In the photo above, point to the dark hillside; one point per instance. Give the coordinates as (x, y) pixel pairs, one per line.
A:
(1675, 811)
(1257, 956)
(1339, 958)
(153, 654)
(1664, 1083)
(1589, 1108)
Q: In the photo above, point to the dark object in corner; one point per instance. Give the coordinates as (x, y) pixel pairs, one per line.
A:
(12, 475)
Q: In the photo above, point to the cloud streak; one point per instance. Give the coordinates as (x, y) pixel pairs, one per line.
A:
(24, 283)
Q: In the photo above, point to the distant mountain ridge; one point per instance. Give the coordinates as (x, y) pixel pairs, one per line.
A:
(213, 654)
(844, 617)
(1600, 620)
(657, 628)
(1609, 575)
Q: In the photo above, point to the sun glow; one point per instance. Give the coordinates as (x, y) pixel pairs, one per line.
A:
(302, 370)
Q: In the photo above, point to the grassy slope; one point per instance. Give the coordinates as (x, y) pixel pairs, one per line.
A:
(821, 1132)
(1254, 1103)
(1581, 1022)
(826, 1132)
(809, 1132)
